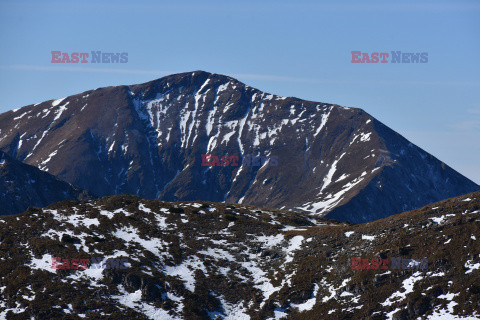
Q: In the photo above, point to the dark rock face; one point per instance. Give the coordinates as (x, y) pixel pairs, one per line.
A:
(149, 139)
(409, 177)
(22, 186)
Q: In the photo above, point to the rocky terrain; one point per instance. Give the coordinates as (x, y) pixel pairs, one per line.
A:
(148, 140)
(203, 260)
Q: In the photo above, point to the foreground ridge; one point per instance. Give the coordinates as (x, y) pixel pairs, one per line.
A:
(202, 260)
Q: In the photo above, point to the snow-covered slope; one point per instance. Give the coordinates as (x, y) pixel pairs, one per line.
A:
(200, 260)
(149, 139)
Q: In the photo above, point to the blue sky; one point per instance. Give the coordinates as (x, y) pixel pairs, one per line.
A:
(290, 48)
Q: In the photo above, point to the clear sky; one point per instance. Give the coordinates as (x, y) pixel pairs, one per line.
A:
(290, 48)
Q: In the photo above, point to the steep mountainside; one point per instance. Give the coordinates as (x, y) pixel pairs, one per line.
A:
(149, 259)
(149, 139)
(22, 186)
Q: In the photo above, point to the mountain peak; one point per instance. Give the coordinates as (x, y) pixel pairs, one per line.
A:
(150, 139)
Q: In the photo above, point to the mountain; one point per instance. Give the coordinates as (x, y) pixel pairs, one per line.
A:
(122, 257)
(148, 140)
(22, 186)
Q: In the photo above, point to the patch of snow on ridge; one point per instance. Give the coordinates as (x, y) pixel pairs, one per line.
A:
(133, 301)
(331, 288)
(232, 126)
(77, 219)
(204, 84)
(57, 102)
(44, 162)
(109, 214)
(365, 136)
(342, 177)
(308, 305)
(143, 208)
(44, 263)
(447, 314)
(271, 241)
(240, 131)
(408, 285)
(471, 266)
(331, 200)
(60, 110)
(185, 271)
(328, 178)
(295, 244)
(230, 311)
(323, 122)
(21, 116)
(155, 246)
(438, 220)
(260, 279)
(218, 254)
(210, 121)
